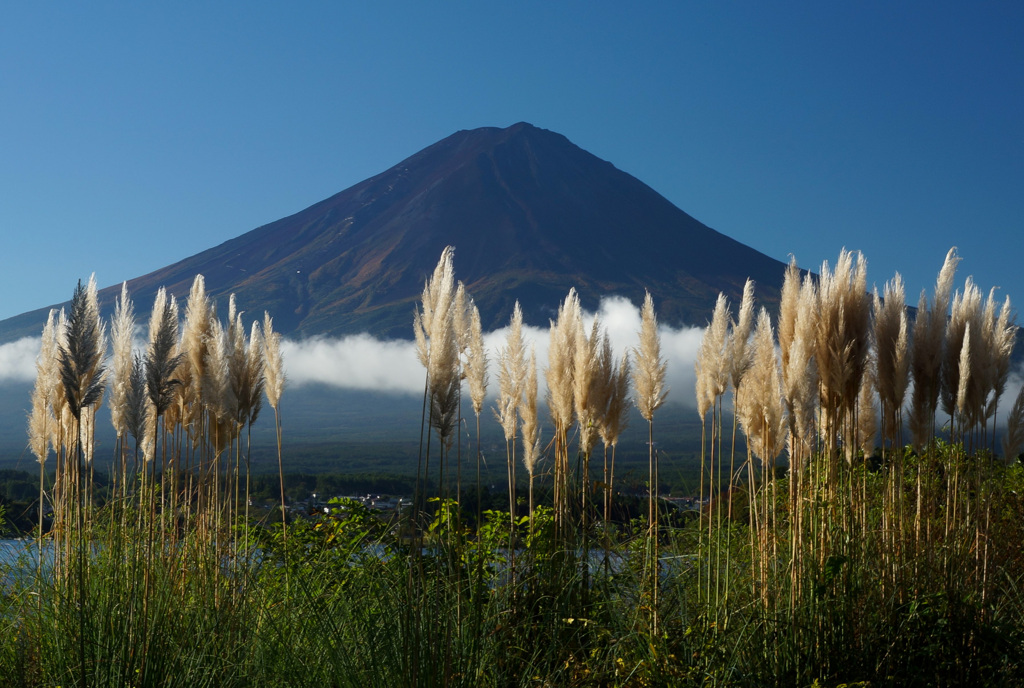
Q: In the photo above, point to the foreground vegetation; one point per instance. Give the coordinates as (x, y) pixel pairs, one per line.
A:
(828, 551)
(346, 602)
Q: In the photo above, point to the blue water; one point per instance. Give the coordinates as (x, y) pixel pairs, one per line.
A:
(19, 552)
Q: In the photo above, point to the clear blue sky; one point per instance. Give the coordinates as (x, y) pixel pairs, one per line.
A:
(136, 134)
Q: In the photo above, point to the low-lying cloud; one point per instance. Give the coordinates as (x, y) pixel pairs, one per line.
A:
(365, 363)
(18, 360)
(354, 362)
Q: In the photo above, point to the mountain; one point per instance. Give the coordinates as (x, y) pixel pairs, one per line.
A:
(530, 214)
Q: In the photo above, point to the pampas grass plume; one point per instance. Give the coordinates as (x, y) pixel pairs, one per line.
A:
(891, 353)
(891, 342)
(616, 417)
(759, 398)
(1004, 340)
(588, 388)
(121, 331)
(273, 362)
(738, 357)
(160, 359)
(135, 400)
(215, 384)
(199, 312)
(436, 300)
(927, 345)
(511, 374)
(43, 391)
(476, 360)
(251, 380)
(649, 373)
(789, 306)
(443, 369)
(93, 314)
(81, 360)
(800, 376)
(964, 366)
(966, 309)
(528, 412)
(38, 425)
(561, 360)
(712, 362)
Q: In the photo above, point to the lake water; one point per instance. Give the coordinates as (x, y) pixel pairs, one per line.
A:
(18, 551)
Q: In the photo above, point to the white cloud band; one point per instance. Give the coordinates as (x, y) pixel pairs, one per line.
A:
(18, 360)
(362, 362)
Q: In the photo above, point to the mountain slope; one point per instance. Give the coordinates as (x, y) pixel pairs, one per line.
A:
(530, 215)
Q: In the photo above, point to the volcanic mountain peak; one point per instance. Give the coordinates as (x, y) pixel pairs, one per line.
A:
(530, 215)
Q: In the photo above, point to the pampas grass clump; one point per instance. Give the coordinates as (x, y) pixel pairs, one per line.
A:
(834, 564)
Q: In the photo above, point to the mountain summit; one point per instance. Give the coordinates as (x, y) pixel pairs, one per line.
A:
(529, 213)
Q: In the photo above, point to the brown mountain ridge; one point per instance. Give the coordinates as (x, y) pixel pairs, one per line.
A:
(530, 215)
